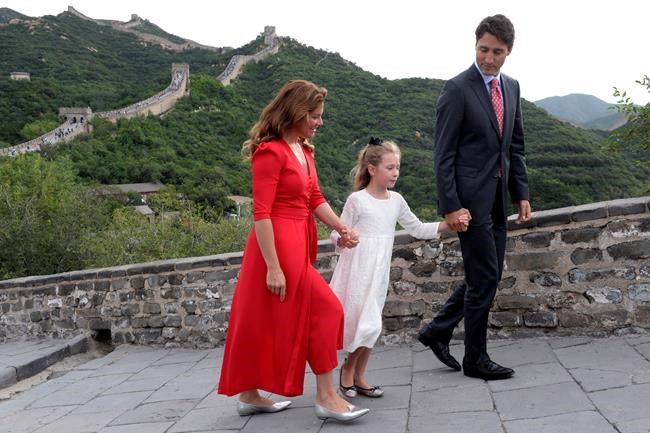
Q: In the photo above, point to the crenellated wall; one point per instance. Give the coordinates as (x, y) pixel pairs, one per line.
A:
(581, 270)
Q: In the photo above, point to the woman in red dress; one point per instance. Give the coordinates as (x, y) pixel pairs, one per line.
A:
(283, 313)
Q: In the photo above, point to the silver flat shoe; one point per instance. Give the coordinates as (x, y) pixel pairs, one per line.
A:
(354, 413)
(245, 409)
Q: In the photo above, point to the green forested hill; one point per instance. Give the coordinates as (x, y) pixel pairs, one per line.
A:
(74, 62)
(196, 146)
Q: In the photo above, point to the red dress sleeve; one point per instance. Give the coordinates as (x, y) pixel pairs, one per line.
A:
(266, 167)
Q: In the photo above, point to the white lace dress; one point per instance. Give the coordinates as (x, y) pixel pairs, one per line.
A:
(361, 277)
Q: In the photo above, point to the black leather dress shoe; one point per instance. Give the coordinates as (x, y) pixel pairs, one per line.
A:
(488, 371)
(441, 350)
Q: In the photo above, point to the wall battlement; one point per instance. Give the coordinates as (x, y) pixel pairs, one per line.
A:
(581, 270)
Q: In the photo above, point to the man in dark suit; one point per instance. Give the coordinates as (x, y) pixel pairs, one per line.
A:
(479, 157)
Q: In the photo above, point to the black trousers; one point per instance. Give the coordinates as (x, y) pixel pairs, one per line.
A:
(483, 247)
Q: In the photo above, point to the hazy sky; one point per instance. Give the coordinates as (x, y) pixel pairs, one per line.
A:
(561, 46)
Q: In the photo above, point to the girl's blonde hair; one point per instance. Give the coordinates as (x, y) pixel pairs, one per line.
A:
(295, 100)
(371, 154)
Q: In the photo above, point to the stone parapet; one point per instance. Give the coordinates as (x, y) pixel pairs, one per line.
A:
(588, 273)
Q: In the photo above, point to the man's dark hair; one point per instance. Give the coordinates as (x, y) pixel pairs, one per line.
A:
(500, 27)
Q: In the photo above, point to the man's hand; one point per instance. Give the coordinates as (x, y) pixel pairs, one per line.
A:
(525, 213)
(455, 222)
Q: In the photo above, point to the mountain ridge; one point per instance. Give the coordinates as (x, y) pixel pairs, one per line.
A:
(582, 110)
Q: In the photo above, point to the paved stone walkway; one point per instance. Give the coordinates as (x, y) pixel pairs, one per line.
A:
(565, 385)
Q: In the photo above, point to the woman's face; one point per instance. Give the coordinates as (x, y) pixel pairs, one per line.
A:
(307, 126)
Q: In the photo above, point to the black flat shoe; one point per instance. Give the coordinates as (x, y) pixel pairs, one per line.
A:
(372, 392)
(347, 391)
(488, 371)
(441, 350)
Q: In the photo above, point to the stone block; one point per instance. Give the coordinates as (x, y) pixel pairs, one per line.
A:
(541, 319)
(533, 261)
(538, 240)
(395, 273)
(553, 217)
(175, 279)
(604, 295)
(98, 323)
(642, 315)
(639, 292)
(573, 319)
(155, 322)
(194, 276)
(392, 324)
(404, 253)
(588, 212)
(452, 249)
(435, 287)
(130, 310)
(580, 275)
(506, 283)
(140, 322)
(546, 279)
(155, 281)
(147, 335)
(452, 267)
(173, 321)
(632, 250)
(137, 282)
(612, 318)
(403, 287)
(627, 206)
(189, 306)
(396, 308)
(500, 319)
(584, 235)
(171, 292)
(580, 256)
(192, 320)
(151, 308)
(423, 269)
(516, 301)
(169, 332)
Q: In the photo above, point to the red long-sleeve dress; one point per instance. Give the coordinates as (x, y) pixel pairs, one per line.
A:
(268, 341)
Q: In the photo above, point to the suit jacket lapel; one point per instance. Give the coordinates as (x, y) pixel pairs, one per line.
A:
(478, 86)
(509, 101)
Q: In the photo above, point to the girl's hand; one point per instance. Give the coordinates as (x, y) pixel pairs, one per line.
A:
(276, 283)
(349, 238)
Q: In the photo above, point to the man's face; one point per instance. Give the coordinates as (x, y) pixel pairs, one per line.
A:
(490, 54)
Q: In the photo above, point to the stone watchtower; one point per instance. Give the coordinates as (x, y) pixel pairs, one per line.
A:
(269, 35)
(185, 69)
(76, 114)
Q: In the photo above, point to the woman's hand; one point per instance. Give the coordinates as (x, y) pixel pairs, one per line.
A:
(276, 283)
(349, 238)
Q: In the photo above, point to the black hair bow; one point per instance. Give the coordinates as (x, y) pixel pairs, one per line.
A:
(376, 141)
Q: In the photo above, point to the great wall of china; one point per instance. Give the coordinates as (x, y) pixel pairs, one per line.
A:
(77, 118)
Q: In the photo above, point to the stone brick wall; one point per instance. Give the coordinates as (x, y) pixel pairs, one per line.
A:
(578, 270)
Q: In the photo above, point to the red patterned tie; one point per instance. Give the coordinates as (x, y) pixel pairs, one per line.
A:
(497, 103)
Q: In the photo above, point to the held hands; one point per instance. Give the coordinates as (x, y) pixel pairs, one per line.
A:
(276, 283)
(349, 238)
(458, 220)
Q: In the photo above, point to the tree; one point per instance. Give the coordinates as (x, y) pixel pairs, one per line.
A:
(636, 132)
(43, 211)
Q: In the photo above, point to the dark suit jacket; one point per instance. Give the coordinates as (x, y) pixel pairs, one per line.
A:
(469, 149)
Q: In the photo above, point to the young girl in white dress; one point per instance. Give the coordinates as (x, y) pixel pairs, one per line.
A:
(361, 277)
